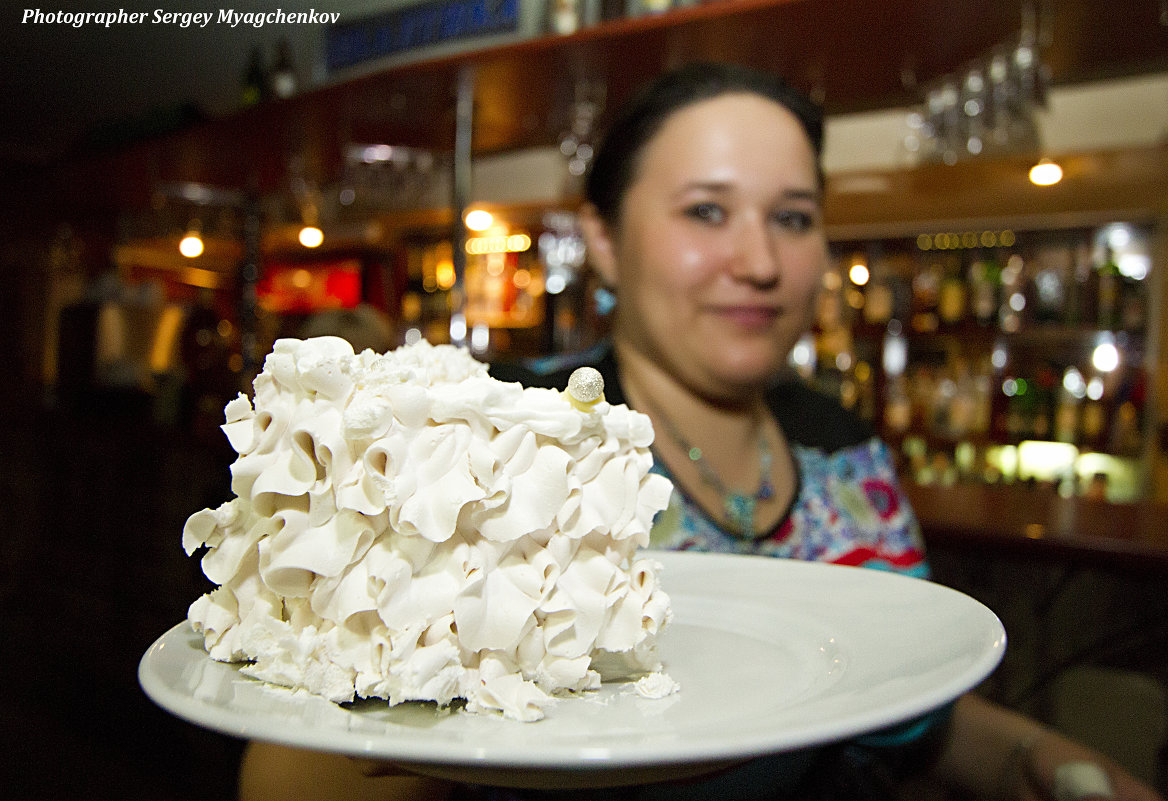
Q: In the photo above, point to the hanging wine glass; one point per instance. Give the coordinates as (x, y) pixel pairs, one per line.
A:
(973, 107)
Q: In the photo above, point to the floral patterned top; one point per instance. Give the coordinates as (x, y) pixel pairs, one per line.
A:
(849, 510)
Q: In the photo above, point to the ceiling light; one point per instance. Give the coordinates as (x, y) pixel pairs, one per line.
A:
(191, 245)
(311, 236)
(1045, 173)
(478, 220)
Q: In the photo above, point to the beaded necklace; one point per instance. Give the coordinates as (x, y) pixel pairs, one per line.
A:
(738, 507)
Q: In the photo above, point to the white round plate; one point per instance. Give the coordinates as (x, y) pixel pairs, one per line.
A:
(771, 655)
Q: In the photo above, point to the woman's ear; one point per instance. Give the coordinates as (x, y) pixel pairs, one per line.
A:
(599, 243)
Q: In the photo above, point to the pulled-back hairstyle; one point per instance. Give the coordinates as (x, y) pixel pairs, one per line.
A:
(642, 117)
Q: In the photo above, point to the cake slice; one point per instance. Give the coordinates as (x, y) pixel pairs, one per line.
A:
(404, 526)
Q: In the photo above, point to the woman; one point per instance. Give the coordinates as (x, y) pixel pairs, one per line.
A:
(705, 217)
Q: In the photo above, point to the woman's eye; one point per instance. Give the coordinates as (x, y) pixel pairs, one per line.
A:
(792, 220)
(707, 212)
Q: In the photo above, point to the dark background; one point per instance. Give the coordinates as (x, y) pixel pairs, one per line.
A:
(92, 572)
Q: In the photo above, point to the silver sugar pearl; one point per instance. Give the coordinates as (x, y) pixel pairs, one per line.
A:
(586, 384)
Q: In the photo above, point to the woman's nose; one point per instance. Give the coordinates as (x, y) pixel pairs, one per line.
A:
(757, 257)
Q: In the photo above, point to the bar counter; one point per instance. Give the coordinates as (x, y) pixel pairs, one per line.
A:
(1081, 587)
(1035, 522)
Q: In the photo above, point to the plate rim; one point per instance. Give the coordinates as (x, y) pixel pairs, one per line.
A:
(575, 757)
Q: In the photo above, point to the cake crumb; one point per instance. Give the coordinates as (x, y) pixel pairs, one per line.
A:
(656, 685)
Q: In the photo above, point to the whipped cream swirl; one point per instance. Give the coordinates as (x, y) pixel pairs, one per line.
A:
(407, 527)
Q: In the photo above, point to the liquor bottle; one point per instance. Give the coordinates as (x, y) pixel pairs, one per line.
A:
(613, 9)
(1097, 487)
(1093, 420)
(1107, 313)
(1048, 286)
(1125, 436)
(1124, 439)
(1001, 378)
(941, 402)
(205, 349)
(1066, 416)
(879, 295)
(985, 280)
(1086, 289)
(563, 16)
(926, 291)
(983, 387)
(1043, 389)
(254, 88)
(953, 295)
(864, 379)
(1133, 314)
(1012, 298)
(897, 406)
(1071, 288)
(641, 8)
(283, 78)
(963, 405)
(829, 314)
(1017, 409)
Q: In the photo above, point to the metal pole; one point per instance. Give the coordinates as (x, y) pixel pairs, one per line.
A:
(464, 121)
(249, 275)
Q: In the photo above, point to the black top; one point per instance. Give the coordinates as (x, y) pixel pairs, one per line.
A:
(808, 417)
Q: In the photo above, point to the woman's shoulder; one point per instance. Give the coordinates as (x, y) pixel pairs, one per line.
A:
(813, 418)
(807, 416)
(553, 371)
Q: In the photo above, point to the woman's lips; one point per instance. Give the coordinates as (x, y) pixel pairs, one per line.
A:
(748, 316)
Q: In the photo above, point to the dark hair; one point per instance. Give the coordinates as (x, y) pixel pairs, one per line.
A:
(641, 118)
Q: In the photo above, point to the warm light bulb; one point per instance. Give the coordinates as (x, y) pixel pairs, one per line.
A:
(1045, 173)
(858, 274)
(311, 236)
(1105, 357)
(479, 220)
(191, 245)
(444, 274)
(302, 279)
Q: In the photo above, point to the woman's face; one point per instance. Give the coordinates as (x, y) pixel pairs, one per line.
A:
(720, 247)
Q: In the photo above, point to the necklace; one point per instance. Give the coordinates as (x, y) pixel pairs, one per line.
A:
(738, 507)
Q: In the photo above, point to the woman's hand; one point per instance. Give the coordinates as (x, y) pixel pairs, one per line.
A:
(278, 773)
(374, 768)
(1054, 767)
(996, 753)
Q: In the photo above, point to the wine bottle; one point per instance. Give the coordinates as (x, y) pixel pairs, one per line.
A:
(1012, 298)
(953, 298)
(1066, 416)
(563, 16)
(1133, 314)
(926, 290)
(879, 296)
(897, 406)
(1107, 314)
(985, 278)
(254, 87)
(1048, 286)
(1086, 288)
(283, 79)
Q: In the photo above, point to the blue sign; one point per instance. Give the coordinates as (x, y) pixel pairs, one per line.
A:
(403, 29)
